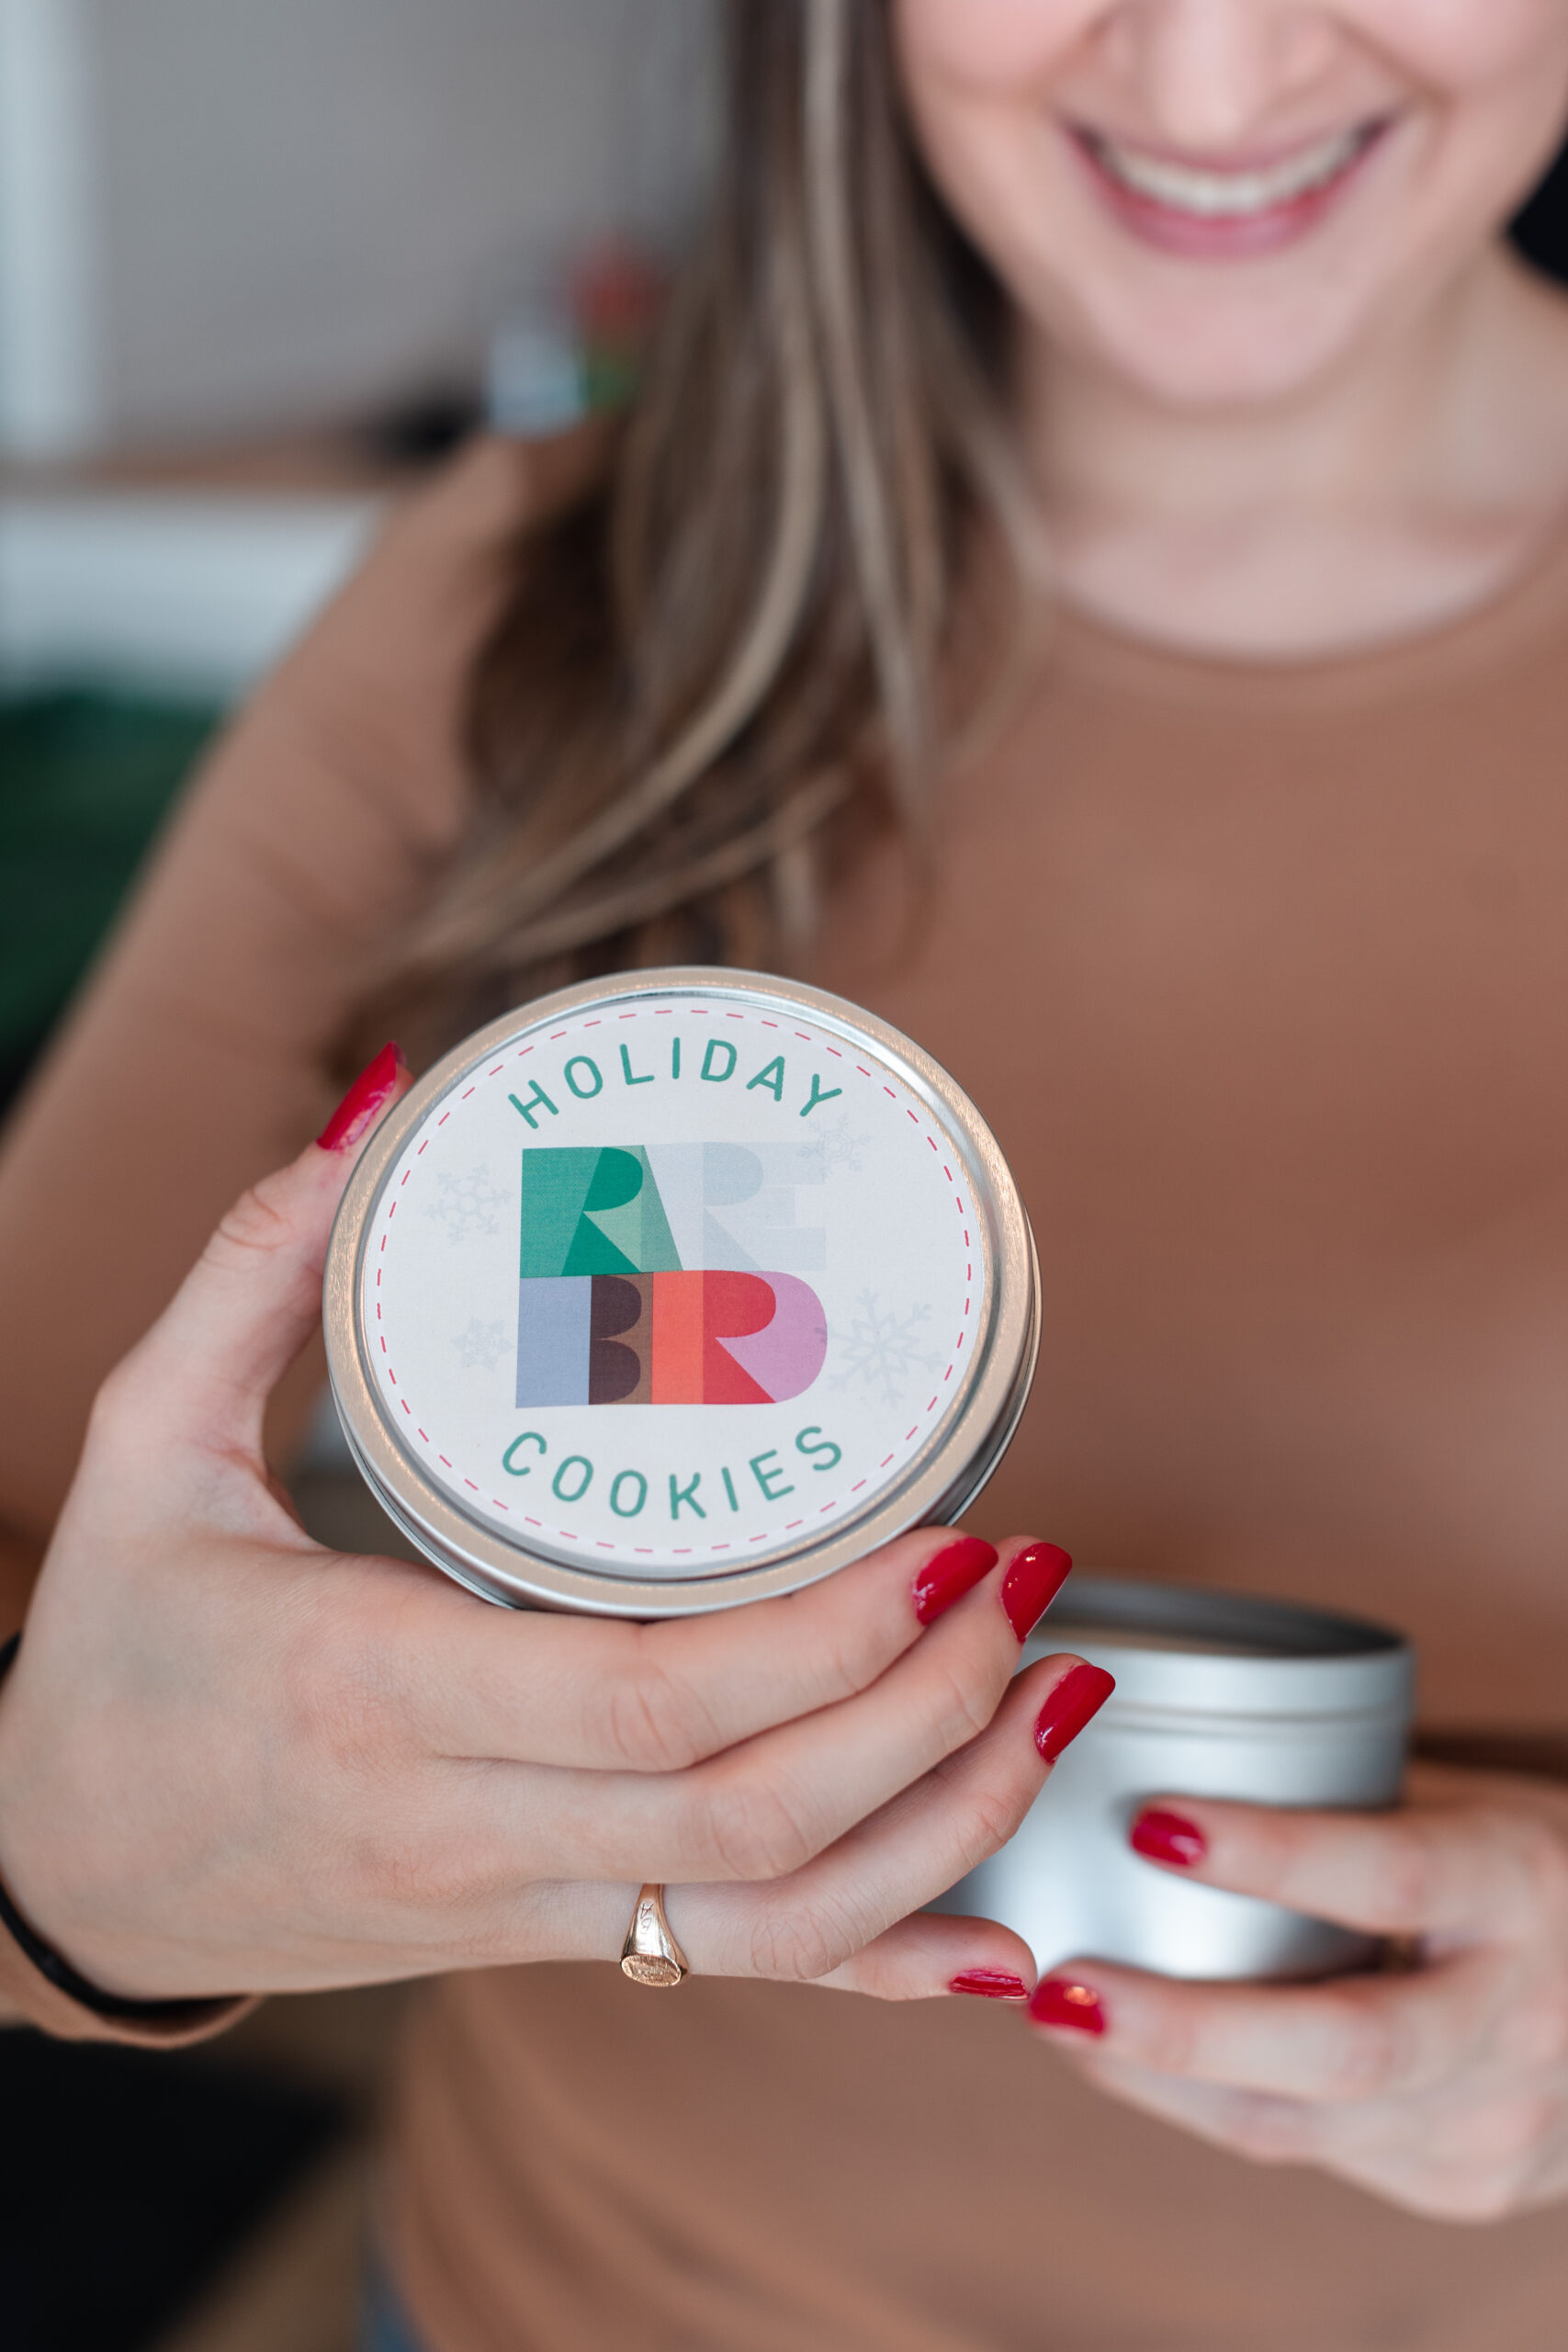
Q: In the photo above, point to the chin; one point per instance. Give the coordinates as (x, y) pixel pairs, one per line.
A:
(1183, 355)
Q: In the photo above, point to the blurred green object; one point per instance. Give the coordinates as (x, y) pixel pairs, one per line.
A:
(86, 778)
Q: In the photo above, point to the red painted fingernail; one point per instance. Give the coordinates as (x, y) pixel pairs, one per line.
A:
(1076, 1699)
(1055, 2001)
(956, 1567)
(991, 1985)
(365, 1097)
(1032, 1584)
(1169, 1838)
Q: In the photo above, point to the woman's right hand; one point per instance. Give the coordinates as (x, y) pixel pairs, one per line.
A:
(230, 1760)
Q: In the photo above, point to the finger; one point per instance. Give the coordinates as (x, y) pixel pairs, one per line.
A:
(206, 1369)
(1458, 1869)
(1486, 2158)
(933, 1952)
(811, 1926)
(1356, 2039)
(1493, 2169)
(609, 1695)
(815, 1924)
(1267, 2130)
(764, 1808)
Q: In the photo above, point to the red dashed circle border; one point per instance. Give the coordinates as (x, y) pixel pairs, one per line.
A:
(376, 1246)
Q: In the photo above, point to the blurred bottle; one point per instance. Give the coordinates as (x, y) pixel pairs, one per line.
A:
(534, 379)
(572, 344)
(617, 292)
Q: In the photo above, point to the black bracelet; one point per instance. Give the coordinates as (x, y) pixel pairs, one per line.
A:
(60, 1972)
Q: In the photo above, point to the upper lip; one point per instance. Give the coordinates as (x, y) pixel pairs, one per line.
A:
(1236, 160)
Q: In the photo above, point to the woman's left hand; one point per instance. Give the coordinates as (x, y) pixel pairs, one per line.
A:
(1444, 2086)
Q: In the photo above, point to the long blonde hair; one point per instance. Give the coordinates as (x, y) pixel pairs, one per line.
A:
(726, 648)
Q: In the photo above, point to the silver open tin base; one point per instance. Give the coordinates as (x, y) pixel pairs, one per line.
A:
(1217, 1695)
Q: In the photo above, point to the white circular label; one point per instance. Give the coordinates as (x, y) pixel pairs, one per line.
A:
(672, 1284)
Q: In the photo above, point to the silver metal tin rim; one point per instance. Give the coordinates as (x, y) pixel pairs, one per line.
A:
(1318, 1668)
(941, 1480)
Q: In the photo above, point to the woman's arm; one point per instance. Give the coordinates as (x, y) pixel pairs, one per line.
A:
(19, 1562)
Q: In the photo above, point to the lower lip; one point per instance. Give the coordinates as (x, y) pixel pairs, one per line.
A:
(1208, 237)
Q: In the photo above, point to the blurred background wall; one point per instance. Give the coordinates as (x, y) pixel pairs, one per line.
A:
(260, 261)
(220, 217)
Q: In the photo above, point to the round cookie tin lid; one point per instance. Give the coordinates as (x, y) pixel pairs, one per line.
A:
(677, 1289)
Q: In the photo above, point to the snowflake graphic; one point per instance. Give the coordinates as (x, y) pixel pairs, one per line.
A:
(481, 1346)
(836, 1146)
(466, 1205)
(881, 1349)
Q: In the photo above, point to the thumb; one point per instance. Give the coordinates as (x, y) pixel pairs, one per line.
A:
(204, 1372)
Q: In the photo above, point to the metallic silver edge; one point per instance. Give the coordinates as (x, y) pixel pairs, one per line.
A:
(1355, 1668)
(996, 1385)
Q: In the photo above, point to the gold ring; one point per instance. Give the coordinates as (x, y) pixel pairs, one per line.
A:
(650, 1954)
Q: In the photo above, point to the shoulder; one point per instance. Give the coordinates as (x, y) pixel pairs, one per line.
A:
(375, 689)
(492, 491)
(429, 584)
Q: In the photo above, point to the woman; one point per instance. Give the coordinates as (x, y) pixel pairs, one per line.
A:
(1086, 577)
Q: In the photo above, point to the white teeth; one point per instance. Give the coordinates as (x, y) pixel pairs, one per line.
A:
(1229, 194)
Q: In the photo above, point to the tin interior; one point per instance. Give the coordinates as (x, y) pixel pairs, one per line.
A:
(1228, 1653)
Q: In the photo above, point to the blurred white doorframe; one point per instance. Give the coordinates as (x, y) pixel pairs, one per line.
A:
(51, 402)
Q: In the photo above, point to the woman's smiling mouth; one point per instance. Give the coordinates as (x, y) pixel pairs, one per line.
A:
(1213, 211)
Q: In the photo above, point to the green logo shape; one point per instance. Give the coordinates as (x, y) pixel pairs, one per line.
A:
(593, 1211)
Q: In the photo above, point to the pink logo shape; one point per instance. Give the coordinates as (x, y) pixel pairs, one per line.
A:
(785, 1356)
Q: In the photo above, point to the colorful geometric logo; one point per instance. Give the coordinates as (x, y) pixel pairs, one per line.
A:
(641, 1281)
